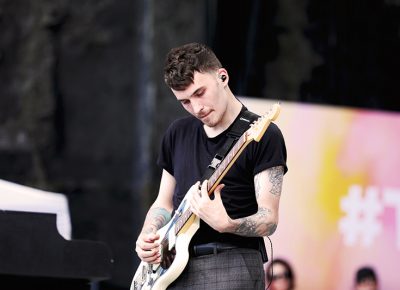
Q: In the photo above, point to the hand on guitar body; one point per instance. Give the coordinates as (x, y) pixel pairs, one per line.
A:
(163, 243)
(212, 211)
(148, 247)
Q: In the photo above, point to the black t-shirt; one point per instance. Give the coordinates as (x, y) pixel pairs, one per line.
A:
(186, 152)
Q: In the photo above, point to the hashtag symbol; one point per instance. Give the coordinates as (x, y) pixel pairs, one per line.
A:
(361, 223)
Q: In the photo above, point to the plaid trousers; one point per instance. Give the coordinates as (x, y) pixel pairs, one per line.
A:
(236, 269)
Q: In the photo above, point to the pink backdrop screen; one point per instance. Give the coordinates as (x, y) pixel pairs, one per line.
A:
(340, 205)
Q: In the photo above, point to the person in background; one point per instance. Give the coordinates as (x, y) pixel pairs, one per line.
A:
(280, 275)
(366, 279)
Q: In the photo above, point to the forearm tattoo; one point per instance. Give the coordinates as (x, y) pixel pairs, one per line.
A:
(255, 225)
(259, 224)
(157, 218)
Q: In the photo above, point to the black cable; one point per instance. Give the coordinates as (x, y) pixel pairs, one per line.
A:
(272, 266)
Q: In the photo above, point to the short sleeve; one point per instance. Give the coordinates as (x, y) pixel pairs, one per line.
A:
(165, 155)
(270, 151)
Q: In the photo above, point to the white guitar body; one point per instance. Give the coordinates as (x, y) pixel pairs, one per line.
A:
(154, 277)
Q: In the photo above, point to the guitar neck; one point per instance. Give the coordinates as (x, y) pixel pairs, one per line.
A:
(217, 176)
(226, 163)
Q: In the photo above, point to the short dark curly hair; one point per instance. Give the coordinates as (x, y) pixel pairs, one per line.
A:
(181, 63)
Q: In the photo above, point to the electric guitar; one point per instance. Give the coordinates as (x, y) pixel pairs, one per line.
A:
(175, 236)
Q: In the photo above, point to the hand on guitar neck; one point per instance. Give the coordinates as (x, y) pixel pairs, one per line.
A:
(211, 211)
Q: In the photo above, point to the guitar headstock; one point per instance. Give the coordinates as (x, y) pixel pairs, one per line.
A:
(259, 126)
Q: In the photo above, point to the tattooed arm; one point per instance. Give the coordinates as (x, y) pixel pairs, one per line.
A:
(158, 215)
(268, 186)
(156, 218)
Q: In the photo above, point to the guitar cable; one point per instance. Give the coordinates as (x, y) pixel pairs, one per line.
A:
(272, 266)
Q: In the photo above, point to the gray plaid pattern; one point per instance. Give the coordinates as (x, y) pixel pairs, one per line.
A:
(236, 269)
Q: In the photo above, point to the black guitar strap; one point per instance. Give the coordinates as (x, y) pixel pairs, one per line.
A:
(240, 125)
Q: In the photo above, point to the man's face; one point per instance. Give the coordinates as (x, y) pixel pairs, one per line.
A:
(280, 279)
(205, 98)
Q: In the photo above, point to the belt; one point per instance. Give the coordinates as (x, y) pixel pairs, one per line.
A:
(211, 248)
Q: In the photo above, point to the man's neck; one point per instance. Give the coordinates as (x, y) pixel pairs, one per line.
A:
(232, 111)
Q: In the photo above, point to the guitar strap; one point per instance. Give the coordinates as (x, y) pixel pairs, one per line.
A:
(240, 125)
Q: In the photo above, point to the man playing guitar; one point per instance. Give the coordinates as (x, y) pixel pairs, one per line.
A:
(227, 250)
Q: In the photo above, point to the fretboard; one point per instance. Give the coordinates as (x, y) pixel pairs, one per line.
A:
(216, 177)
